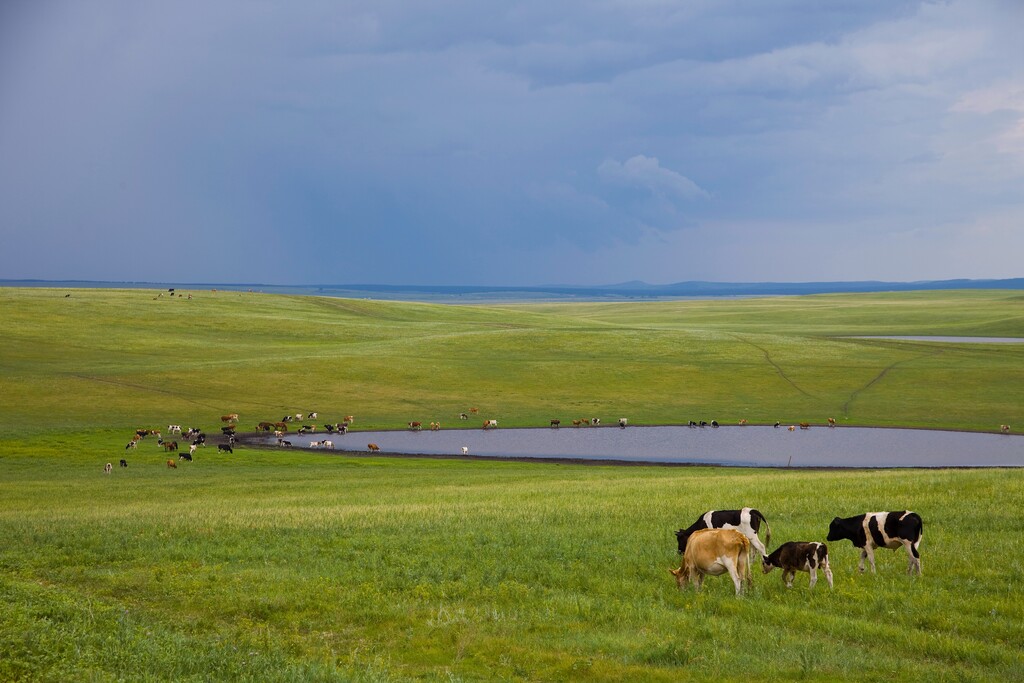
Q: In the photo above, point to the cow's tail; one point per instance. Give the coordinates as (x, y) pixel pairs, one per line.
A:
(767, 529)
(919, 523)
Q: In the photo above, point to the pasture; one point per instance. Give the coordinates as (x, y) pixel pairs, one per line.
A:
(273, 565)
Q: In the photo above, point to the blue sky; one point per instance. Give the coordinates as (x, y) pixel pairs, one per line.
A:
(523, 143)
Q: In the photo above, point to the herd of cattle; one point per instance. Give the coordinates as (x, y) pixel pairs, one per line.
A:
(722, 541)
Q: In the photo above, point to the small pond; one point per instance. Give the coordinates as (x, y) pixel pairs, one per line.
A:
(749, 446)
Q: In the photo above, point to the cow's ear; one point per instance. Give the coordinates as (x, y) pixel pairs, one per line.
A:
(674, 572)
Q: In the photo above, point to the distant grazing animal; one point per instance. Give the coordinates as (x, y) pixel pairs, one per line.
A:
(224, 448)
(435, 426)
(192, 448)
(743, 423)
(776, 425)
(702, 424)
(691, 424)
(124, 463)
(595, 421)
(881, 530)
(490, 424)
(264, 426)
(233, 417)
(282, 426)
(712, 552)
(278, 433)
(108, 468)
(555, 423)
(349, 419)
(172, 464)
(714, 423)
(185, 456)
(372, 447)
(622, 422)
(463, 416)
(174, 429)
(465, 450)
(327, 444)
(341, 428)
(831, 422)
(747, 521)
(311, 416)
(227, 430)
(792, 428)
(577, 423)
(170, 445)
(282, 442)
(200, 440)
(805, 425)
(1005, 429)
(799, 556)
(474, 410)
(415, 426)
(131, 444)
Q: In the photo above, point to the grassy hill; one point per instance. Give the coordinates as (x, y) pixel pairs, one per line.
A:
(277, 566)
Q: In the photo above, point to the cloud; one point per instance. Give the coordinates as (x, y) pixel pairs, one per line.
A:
(648, 173)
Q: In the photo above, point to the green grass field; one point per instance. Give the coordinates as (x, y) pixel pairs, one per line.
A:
(278, 566)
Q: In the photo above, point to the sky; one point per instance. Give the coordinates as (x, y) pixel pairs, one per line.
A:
(459, 142)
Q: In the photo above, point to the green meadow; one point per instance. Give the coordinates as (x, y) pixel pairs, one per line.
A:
(268, 565)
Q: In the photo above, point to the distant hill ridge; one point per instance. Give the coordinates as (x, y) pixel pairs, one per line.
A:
(626, 290)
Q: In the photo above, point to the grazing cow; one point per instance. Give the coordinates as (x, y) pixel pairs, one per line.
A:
(881, 530)
(124, 463)
(185, 456)
(287, 418)
(174, 429)
(831, 422)
(435, 426)
(200, 440)
(714, 423)
(691, 424)
(225, 448)
(747, 521)
(463, 416)
(327, 444)
(415, 426)
(108, 468)
(192, 449)
(465, 450)
(227, 430)
(233, 417)
(172, 465)
(622, 422)
(792, 428)
(743, 422)
(278, 433)
(264, 426)
(712, 552)
(799, 556)
(329, 427)
(490, 424)
(311, 416)
(776, 425)
(555, 423)
(131, 444)
(577, 423)
(349, 419)
(298, 416)
(805, 425)
(595, 421)
(474, 411)
(703, 424)
(282, 426)
(170, 445)
(341, 428)
(1005, 429)
(372, 447)
(282, 442)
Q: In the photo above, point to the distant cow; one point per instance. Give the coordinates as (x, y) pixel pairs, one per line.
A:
(743, 422)
(747, 521)
(691, 424)
(799, 556)
(108, 468)
(465, 450)
(372, 447)
(463, 416)
(805, 425)
(415, 426)
(622, 422)
(311, 416)
(171, 464)
(232, 417)
(124, 463)
(170, 445)
(224, 448)
(831, 422)
(1005, 429)
(712, 552)
(595, 421)
(555, 423)
(185, 456)
(131, 444)
(881, 530)
(490, 424)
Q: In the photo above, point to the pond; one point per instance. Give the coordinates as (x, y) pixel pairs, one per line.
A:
(748, 446)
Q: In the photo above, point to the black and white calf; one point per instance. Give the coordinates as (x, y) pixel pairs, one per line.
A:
(799, 556)
(881, 530)
(747, 521)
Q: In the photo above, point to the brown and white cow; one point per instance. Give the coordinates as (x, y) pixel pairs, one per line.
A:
(799, 556)
(712, 552)
(1005, 429)
(415, 426)
(372, 447)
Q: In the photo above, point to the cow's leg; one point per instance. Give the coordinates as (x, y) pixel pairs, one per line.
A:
(869, 553)
(814, 575)
(828, 572)
(789, 575)
(733, 574)
(914, 557)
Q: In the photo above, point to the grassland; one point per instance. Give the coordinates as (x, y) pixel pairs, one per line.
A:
(299, 566)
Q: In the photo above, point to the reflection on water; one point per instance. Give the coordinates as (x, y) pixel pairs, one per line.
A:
(742, 446)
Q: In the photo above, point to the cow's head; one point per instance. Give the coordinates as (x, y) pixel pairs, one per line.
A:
(682, 536)
(766, 564)
(836, 530)
(682, 576)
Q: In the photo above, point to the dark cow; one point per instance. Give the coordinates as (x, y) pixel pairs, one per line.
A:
(555, 423)
(747, 521)
(185, 456)
(881, 530)
(224, 448)
(124, 463)
(691, 424)
(799, 556)
(714, 423)
(170, 445)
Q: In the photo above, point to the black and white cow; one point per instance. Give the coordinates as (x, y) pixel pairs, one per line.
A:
(881, 530)
(799, 556)
(747, 521)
